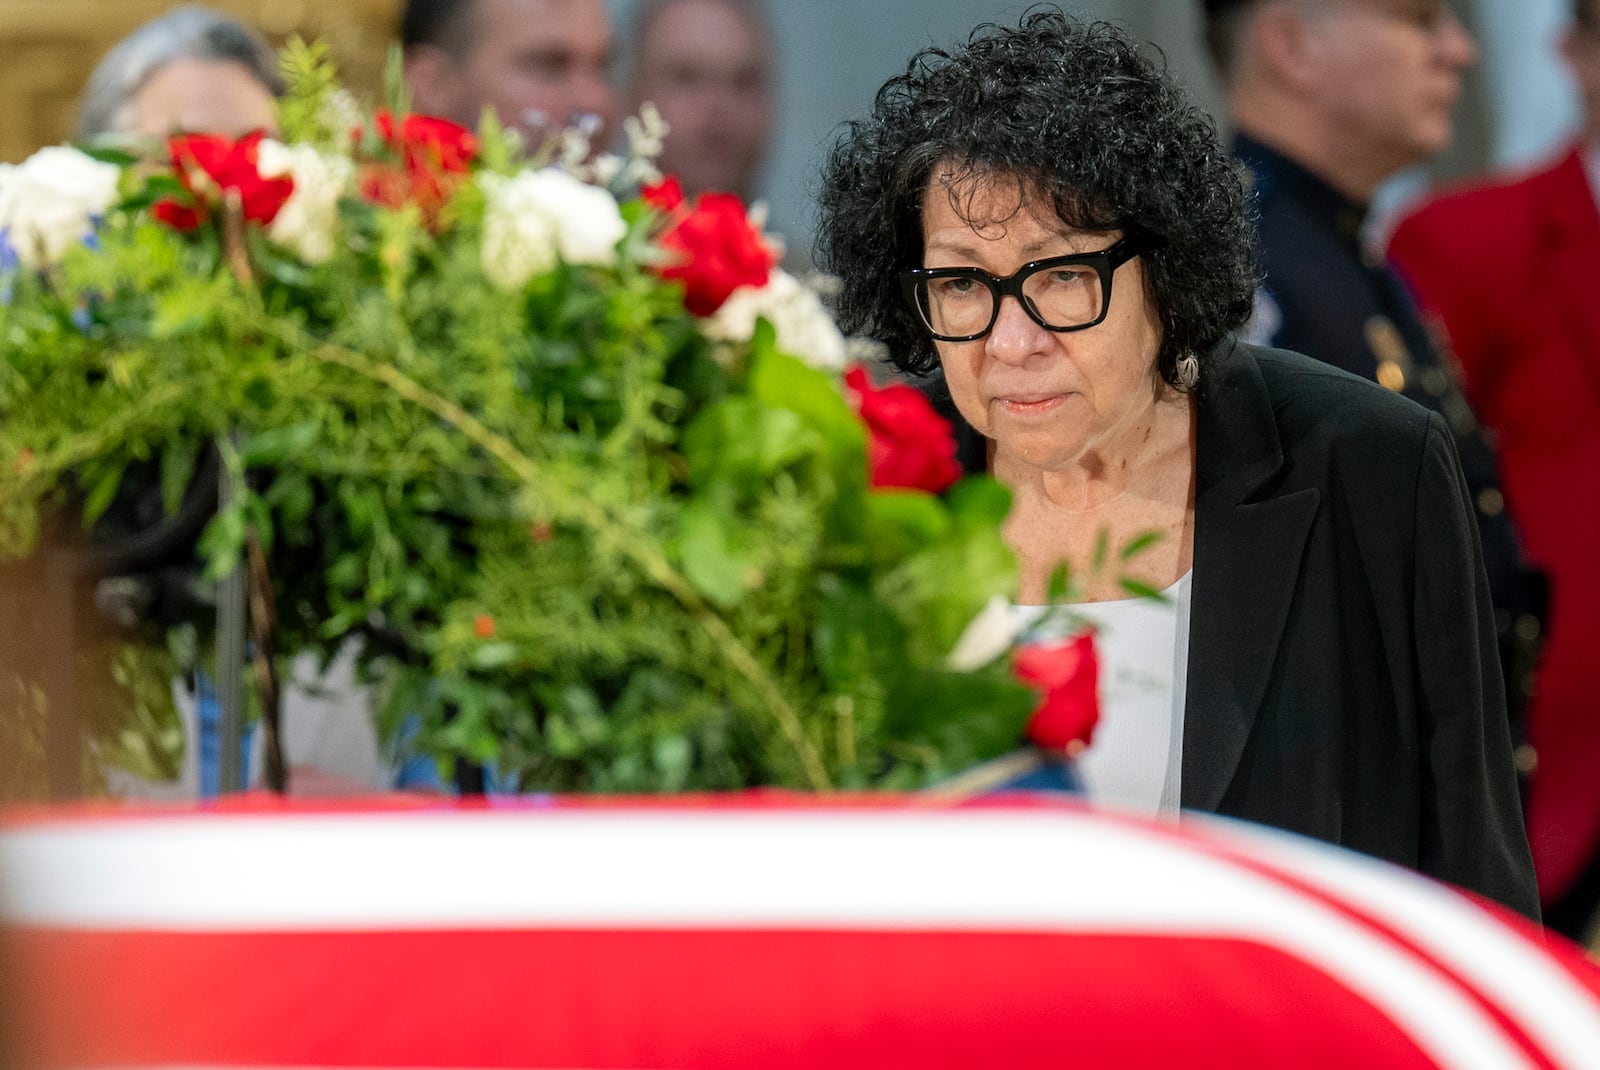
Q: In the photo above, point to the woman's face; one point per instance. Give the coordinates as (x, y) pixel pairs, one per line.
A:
(202, 96)
(1049, 400)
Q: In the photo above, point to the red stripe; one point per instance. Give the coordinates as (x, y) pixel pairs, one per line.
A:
(1386, 929)
(252, 804)
(265, 804)
(687, 999)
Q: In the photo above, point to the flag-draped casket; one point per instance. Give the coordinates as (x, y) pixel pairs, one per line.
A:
(756, 931)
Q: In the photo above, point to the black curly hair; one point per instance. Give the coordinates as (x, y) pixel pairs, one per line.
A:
(1076, 114)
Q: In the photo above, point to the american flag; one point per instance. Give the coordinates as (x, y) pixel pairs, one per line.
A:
(751, 931)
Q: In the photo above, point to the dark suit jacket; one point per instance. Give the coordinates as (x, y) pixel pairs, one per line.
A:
(1513, 269)
(1343, 681)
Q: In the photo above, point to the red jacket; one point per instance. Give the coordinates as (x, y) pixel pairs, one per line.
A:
(1513, 271)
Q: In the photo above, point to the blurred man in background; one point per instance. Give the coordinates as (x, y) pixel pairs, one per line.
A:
(707, 67)
(1512, 268)
(542, 65)
(1328, 99)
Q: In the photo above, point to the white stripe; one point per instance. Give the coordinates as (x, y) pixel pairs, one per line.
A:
(883, 870)
(1534, 991)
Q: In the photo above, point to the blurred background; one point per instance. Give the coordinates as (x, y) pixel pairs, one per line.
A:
(831, 56)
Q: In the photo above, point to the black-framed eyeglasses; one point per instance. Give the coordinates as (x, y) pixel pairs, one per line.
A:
(1060, 293)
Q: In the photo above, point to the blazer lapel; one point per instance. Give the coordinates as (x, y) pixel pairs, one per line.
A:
(1246, 562)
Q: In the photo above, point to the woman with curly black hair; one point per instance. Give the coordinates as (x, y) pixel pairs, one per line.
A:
(1040, 218)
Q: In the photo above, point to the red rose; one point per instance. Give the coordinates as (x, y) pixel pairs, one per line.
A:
(663, 196)
(210, 167)
(1068, 672)
(431, 156)
(910, 444)
(718, 250)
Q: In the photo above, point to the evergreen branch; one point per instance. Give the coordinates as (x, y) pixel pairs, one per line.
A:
(641, 551)
(91, 444)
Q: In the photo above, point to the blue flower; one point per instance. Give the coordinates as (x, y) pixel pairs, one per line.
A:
(9, 262)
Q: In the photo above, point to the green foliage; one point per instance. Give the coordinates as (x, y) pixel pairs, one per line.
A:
(310, 112)
(571, 541)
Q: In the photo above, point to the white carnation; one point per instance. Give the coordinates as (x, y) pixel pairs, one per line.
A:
(538, 216)
(796, 313)
(309, 219)
(49, 202)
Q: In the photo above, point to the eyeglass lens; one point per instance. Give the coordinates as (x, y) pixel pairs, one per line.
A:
(1066, 295)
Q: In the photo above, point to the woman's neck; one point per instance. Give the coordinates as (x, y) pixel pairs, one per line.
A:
(1134, 461)
(1073, 516)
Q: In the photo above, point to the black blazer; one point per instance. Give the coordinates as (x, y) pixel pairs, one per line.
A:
(1343, 677)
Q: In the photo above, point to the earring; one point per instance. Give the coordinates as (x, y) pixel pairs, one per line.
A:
(1188, 371)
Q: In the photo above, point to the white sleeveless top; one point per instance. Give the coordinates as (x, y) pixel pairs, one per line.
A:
(1135, 761)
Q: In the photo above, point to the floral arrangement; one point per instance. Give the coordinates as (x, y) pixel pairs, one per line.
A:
(593, 482)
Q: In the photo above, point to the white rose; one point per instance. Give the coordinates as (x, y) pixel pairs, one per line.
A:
(987, 636)
(49, 202)
(796, 313)
(309, 219)
(519, 240)
(537, 216)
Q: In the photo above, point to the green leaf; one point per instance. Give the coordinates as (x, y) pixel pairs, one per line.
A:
(784, 382)
(1102, 546)
(711, 561)
(943, 586)
(106, 151)
(494, 148)
(222, 542)
(857, 637)
(185, 309)
(978, 503)
(1140, 589)
(901, 522)
(966, 718)
(282, 269)
(261, 523)
(763, 340)
(102, 492)
(164, 185)
(178, 459)
(1060, 587)
(276, 445)
(494, 655)
(291, 498)
(673, 757)
(396, 90)
(740, 441)
(1139, 544)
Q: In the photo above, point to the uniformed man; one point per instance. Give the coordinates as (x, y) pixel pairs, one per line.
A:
(1328, 98)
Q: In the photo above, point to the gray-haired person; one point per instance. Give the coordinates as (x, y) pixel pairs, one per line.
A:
(195, 70)
(192, 69)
